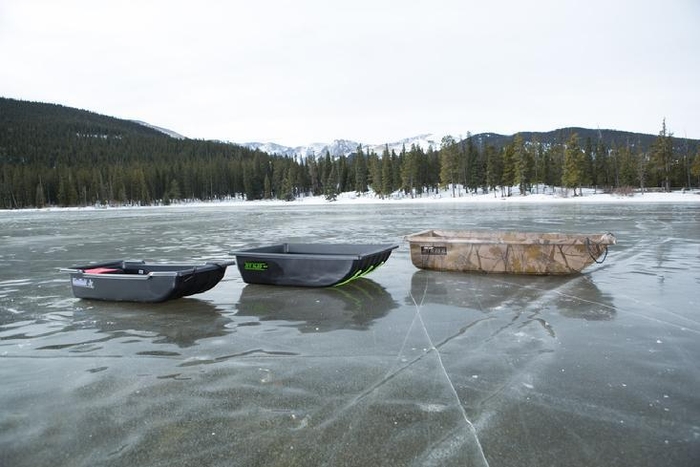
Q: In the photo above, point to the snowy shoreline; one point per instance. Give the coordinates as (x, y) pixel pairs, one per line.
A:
(443, 196)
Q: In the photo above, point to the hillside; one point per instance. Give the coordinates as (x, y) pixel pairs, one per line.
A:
(610, 138)
(16, 115)
(56, 155)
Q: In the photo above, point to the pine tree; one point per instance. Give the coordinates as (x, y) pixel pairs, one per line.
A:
(387, 172)
(627, 167)
(314, 176)
(409, 169)
(342, 169)
(548, 170)
(431, 169)
(40, 201)
(449, 163)
(523, 164)
(508, 174)
(476, 166)
(642, 164)
(537, 162)
(360, 172)
(331, 184)
(267, 188)
(494, 167)
(142, 195)
(574, 164)
(374, 166)
(286, 191)
(589, 175)
(695, 167)
(662, 156)
(395, 171)
(601, 165)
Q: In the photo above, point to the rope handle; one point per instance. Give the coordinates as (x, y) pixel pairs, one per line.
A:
(593, 257)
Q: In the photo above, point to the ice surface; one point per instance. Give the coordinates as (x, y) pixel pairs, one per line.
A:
(404, 367)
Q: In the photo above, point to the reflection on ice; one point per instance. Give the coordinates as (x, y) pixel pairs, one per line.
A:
(573, 297)
(181, 322)
(355, 305)
(581, 299)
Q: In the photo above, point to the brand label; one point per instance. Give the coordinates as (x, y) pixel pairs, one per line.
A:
(433, 250)
(81, 282)
(255, 266)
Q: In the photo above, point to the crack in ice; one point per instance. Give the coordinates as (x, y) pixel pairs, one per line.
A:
(419, 317)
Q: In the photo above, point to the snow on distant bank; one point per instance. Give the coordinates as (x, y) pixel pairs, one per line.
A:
(466, 198)
(443, 196)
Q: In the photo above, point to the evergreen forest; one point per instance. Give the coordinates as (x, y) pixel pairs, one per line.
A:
(51, 155)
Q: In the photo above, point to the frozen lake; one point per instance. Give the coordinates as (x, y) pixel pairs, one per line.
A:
(405, 367)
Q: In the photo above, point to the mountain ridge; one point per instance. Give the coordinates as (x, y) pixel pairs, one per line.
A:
(342, 147)
(48, 113)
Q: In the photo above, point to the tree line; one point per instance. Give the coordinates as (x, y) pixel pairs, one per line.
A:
(45, 165)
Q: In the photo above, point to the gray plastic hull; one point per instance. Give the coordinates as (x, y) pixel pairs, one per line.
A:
(137, 281)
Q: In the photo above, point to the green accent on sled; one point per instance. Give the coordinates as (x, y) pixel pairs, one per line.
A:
(359, 274)
(255, 266)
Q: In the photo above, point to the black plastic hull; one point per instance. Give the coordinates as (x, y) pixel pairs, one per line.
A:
(310, 265)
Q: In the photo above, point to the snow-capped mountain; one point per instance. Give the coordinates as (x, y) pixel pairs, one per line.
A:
(344, 147)
(339, 147)
(336, 148)
(423, 141)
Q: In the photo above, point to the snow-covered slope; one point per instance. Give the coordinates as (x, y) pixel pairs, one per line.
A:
(170, 133)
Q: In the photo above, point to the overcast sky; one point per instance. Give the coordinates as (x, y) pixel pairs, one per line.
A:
(373, 71)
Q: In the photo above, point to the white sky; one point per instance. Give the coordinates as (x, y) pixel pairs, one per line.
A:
(373, 71)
